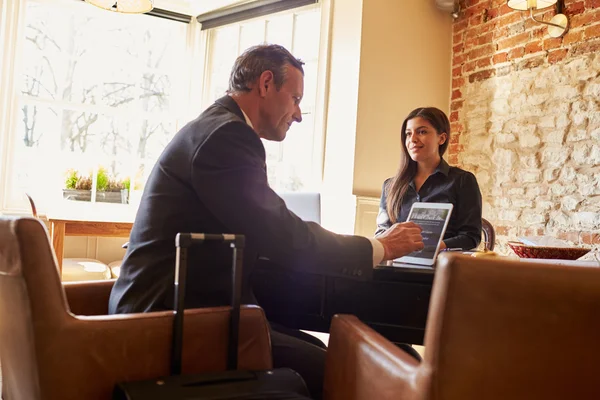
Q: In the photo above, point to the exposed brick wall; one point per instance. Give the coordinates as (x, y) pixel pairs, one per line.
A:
(525, 114)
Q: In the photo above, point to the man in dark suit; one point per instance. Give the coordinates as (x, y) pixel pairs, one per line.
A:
(212, 178)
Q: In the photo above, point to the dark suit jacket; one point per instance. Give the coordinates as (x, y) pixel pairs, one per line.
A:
(212, 178)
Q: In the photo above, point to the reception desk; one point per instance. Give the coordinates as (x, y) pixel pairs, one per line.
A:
(394, 303)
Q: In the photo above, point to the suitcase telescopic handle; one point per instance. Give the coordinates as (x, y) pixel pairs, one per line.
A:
(183, 241)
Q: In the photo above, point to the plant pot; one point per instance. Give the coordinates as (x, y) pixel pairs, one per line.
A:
(119, 197)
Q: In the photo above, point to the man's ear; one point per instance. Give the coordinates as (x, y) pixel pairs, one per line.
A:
(265, 82)
(443, 138)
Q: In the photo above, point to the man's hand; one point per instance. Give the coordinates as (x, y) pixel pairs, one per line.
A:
(401, 239)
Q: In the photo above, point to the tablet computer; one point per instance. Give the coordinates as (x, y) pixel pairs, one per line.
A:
(433, 219)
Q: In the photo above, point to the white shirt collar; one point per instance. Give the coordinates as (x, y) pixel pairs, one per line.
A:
(247, 119)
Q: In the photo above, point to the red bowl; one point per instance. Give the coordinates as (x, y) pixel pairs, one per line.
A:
(560, 253)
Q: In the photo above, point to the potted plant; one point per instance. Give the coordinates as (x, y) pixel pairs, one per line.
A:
(108, 188)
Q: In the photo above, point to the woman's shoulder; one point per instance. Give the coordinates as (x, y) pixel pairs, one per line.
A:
(459, 171)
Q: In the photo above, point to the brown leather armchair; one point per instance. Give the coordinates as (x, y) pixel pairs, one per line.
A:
(48, 353)
(496, 330)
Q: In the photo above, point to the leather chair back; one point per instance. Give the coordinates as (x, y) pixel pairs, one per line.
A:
(48, 353)
(500, 329)
(497, 329)
(307, 206)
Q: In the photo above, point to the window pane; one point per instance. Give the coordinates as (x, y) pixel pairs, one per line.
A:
(278, 30)
(291, 164)
(307, 34)
(101, 93)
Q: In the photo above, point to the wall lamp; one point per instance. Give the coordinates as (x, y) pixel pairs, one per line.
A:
(557, 26)
(124, 6)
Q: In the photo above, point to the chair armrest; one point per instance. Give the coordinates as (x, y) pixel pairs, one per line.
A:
(363, 365)
(96, 352)
(88, 298)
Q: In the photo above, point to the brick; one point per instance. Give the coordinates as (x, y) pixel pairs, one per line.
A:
(532, 62)
(575, 8)
(457, 83)
(585, 47)
(551, 43)
(470, 66)
(454, 116)
(487, 38)
(456, 148)
(514, 41)
(453, 159)
(557, 55)
(457, 71)
(454, 139)
(539, 33)
(456, 94)
(458, 48)
(590, 238)
(482, 75)
(505, 9)
(476, 20)
(500, 58)
(572, 37)
(475, 10)
(484, 62)
(509, 19)
(592, 32)
(470, 43)
(471, 3)
(458, 60)
(571, 236)
(533, 47)
(459, 27)
(592, 4)
(458, 38)
(516, 53)
(584, 19)
(533, 232)
(456, 105)
(502, 230)
(492, 14)
(482, 51)
(456, 128)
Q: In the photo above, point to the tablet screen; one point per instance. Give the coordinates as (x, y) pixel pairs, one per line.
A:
(433, 219)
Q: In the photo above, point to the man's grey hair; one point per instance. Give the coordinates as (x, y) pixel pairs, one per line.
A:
(257, 59)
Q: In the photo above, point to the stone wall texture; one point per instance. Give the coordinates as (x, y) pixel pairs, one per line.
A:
(525, 113)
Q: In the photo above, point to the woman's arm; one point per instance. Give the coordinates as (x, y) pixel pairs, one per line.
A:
(383, 219)
(468, 215)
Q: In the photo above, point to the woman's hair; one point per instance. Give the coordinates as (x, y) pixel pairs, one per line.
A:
(397, 186)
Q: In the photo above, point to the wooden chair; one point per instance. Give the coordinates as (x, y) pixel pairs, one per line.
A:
(496, 330)
(78, 269)
(489, 235)
(49, 353)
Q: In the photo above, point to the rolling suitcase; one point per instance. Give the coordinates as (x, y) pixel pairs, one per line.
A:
(281, 383)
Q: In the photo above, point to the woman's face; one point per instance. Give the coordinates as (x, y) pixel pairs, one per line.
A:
(422, 140)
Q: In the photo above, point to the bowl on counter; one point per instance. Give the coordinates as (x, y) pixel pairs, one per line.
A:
(547, 252)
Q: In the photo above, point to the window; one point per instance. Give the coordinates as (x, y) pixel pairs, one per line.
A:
(99, 95)
(90, 99)
(294, 164)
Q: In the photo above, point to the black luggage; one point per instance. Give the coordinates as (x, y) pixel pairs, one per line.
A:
(281, 383)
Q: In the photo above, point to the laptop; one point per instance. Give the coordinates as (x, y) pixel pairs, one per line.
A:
(433, 219)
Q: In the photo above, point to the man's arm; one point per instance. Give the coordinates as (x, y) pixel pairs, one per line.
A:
(228, 176)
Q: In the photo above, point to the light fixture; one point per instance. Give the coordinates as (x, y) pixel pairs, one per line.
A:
(124, 6)
(557, 26)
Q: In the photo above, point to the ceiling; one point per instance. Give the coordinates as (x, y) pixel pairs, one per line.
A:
(195, 7)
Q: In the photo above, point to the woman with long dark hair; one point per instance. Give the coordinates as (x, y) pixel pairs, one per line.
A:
(424, 176)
